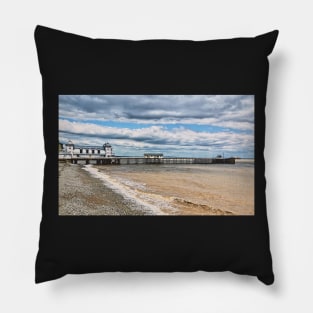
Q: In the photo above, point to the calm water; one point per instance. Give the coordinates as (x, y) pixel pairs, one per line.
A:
(184, 189)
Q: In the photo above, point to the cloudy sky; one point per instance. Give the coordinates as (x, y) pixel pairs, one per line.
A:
(175, 125)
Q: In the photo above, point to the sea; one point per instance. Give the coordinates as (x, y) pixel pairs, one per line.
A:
(183, 189)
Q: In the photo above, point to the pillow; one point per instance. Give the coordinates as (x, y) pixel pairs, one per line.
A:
(154, 155)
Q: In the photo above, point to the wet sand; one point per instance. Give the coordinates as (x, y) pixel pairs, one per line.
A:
(190, 189)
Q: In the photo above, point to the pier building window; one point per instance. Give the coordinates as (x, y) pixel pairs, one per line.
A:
(81, 150)
(92, 151)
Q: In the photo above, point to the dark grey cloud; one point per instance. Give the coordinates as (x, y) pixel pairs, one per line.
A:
(235, 111)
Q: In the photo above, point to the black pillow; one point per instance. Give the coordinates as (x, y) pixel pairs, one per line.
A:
(154, 155)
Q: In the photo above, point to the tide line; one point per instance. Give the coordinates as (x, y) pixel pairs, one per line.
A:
(125, 191)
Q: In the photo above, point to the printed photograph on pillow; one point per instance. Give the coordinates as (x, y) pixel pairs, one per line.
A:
(156, 155)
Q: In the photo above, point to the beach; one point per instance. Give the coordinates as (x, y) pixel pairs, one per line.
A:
(82, 194)
(191, 189)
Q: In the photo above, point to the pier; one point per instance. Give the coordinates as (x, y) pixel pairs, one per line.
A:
(104, 156)
(142, 160)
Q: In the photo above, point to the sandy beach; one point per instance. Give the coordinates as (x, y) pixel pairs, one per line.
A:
(156, 190)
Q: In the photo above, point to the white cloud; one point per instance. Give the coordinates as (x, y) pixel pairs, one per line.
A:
(156, 138)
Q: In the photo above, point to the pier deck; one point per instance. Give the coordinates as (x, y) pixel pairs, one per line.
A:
(142, 160)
